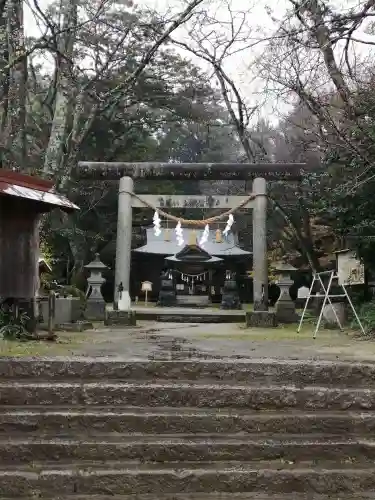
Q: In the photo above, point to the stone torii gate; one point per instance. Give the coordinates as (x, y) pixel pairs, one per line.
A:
(126, 172)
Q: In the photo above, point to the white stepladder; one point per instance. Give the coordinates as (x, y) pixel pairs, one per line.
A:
(327, 298)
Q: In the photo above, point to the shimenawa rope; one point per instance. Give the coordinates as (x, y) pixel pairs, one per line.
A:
(192, 222)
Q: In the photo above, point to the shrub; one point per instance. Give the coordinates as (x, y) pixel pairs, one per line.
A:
(366, 314)
(13, 327)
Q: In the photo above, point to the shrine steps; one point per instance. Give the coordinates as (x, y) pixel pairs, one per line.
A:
(90, 429)
(194, 301)
(187, 314)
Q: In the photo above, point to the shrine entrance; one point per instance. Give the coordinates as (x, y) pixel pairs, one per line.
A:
(192, 270)
(257, 201)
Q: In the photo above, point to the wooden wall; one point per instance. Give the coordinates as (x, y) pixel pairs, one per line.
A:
(19, 247)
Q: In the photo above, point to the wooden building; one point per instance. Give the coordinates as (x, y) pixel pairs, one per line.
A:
(198, 271)
(23, 199)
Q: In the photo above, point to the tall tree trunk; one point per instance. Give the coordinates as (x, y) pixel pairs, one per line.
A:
(15, 156)
(4, 77)
(54, 157)
(323, 38)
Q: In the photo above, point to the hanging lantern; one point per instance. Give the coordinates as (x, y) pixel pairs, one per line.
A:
(167, 235)
(192, 238)
(219, 238)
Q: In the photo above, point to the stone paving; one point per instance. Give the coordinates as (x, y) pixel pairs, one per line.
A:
(172, 340)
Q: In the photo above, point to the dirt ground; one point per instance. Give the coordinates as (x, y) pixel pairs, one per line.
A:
(151, 340)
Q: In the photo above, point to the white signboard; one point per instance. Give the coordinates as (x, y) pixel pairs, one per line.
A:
(303, 292)
(350, 269)
(146, 286)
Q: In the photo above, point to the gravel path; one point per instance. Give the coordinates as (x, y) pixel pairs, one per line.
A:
(173, 340)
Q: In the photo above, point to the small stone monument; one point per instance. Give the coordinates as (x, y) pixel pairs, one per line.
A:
(230, 297)
(333, 312)
(302, 295)
(285, 307)
(95, 307)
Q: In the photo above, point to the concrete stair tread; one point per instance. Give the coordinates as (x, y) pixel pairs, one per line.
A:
(175, 395)
(68, 420)
(302, 371)
(183, 384)
(196, 394)
(169, 450)
(146, 411)
(210, 496)
(186, 467)
(217, 495)
(185, 439)
(228, 478)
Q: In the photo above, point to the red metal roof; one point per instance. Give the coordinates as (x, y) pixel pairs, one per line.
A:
(32, 188)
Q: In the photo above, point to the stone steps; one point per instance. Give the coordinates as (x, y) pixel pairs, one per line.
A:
(195, 301)
(186, 449)
(253, 371)
(188, 394)
(192, 430)
(141, 479)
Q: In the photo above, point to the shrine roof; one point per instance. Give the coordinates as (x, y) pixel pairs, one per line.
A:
(32, 188)
(157, 244)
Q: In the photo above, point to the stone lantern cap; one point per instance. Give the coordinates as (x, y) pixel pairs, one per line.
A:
(96, 264)
(284, 267)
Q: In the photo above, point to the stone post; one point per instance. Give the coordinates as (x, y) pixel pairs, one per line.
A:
(123, 245)
(260, 264)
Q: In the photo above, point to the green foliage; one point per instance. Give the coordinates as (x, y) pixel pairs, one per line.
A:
(46, 252)
(350, 204)
(366, 314)
(13, 327)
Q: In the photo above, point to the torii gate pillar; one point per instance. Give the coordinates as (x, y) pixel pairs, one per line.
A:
(123, 245)
(260, 262)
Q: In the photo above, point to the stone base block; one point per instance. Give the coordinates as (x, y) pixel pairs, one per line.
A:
(67, 310)
(167, 299)
(79, 326)
(120, 318)
(95, 310)
(286, 313)
(230, 302)
(260, 306)
(261, 319)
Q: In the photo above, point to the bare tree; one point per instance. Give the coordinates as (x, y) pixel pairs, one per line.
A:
(70, 124)
(214, 43)
(316, 64)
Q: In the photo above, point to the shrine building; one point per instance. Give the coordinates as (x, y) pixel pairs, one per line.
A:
(198, 270)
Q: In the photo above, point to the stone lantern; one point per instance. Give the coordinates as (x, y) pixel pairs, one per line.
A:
(95, 308)
(285, 307)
